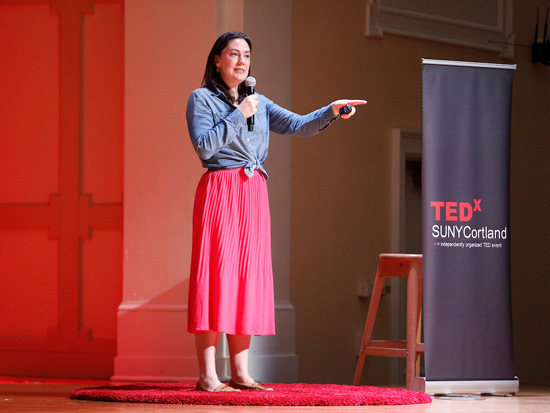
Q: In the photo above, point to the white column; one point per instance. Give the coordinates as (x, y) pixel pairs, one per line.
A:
(167, 42)
(269, 25)
(166, 46)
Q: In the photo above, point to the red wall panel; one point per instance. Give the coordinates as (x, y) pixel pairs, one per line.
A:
(61, 174)
(29, 164)
(29, 98)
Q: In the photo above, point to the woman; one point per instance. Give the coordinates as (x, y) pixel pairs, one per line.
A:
(231, 281)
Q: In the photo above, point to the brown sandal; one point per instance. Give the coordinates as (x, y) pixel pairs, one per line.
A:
(221, 387)
(253, 386)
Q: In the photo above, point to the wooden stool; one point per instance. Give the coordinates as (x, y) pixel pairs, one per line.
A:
(407, 266)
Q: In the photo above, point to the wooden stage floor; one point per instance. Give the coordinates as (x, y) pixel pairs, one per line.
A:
(52, 395)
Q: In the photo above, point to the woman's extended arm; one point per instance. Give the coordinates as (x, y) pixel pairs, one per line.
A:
(283, 121)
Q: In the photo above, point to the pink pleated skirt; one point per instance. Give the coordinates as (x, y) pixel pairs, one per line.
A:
(231, 280)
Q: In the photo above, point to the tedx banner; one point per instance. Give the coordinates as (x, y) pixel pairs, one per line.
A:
(456, 217)
(466, 221)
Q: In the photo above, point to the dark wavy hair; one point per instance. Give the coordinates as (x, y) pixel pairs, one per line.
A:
(212, 78)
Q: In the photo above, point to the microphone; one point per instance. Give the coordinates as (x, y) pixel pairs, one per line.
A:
(250, 83)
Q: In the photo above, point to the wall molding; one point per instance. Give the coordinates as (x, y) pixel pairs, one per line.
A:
(147, 306)
(154, 345)
(490, 28)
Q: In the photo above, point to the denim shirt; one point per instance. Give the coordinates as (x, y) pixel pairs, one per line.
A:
(220, 135)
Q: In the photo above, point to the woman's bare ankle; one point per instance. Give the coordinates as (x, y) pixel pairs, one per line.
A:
(246, 380)
(209, 382)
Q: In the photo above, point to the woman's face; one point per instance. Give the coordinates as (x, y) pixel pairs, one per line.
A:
(234, 62)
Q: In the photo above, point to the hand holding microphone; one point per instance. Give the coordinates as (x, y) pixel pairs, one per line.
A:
(250, 84)
(249, 106)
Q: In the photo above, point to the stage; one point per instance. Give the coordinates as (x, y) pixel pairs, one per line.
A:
(52, 395)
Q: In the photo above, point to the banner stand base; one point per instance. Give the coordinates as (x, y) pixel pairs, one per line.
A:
(495, 387)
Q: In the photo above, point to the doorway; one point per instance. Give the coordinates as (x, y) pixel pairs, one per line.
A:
(406, 227)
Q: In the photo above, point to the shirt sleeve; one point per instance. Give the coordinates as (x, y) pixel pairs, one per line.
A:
(209, 134)
(285, 122)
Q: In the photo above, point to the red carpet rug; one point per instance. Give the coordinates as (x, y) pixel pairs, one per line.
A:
(297, 394)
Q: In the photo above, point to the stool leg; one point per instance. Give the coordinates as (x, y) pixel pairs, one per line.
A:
(371, 316)
(412, 324)
(359, 369)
